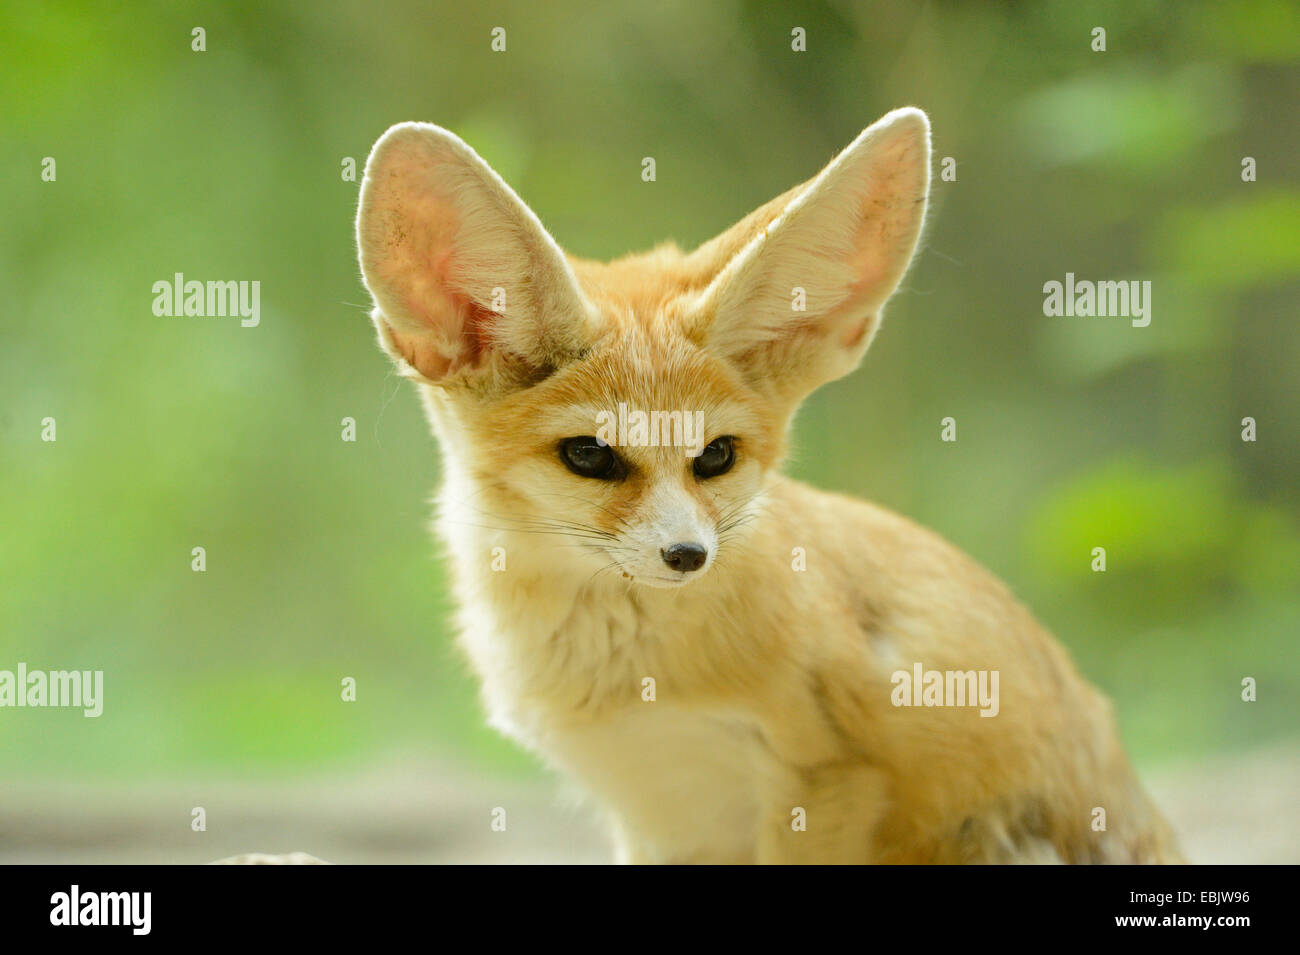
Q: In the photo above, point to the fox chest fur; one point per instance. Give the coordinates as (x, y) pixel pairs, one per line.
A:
(642, 724)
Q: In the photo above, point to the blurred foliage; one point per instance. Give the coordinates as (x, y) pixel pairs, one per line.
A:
(1072, 433)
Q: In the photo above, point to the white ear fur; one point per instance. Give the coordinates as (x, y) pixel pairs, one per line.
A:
(437, 232)
(846, 239)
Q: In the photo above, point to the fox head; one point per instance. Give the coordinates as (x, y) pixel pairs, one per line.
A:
(630, 411)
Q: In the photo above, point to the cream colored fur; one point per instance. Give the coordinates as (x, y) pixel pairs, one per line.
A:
(772, 684)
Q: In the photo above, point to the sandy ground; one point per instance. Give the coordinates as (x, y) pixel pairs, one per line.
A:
(1239, 809)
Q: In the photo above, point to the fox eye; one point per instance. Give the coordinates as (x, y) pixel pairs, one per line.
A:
(717, 457)
(589, 457)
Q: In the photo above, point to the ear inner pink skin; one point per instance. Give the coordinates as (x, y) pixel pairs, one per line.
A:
(421, 352)
(446, 315)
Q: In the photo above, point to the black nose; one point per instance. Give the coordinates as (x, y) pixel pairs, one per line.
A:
(685, 557)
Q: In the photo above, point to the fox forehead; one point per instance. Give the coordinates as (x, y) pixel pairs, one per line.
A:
(631, 370)
(647, 288)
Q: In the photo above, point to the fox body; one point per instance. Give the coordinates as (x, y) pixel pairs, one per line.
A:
(709, 649)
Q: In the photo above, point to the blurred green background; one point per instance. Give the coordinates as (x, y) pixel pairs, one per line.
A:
(1072, 433)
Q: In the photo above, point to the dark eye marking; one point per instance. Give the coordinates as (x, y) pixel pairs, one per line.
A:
(590, 458)
(717, 457)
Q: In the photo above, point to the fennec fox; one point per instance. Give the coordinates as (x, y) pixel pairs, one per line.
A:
(718, 655)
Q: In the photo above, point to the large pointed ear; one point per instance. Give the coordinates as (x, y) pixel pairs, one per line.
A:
(463, 275)
(798, 303)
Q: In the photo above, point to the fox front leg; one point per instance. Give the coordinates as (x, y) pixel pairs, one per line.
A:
(828, 817)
